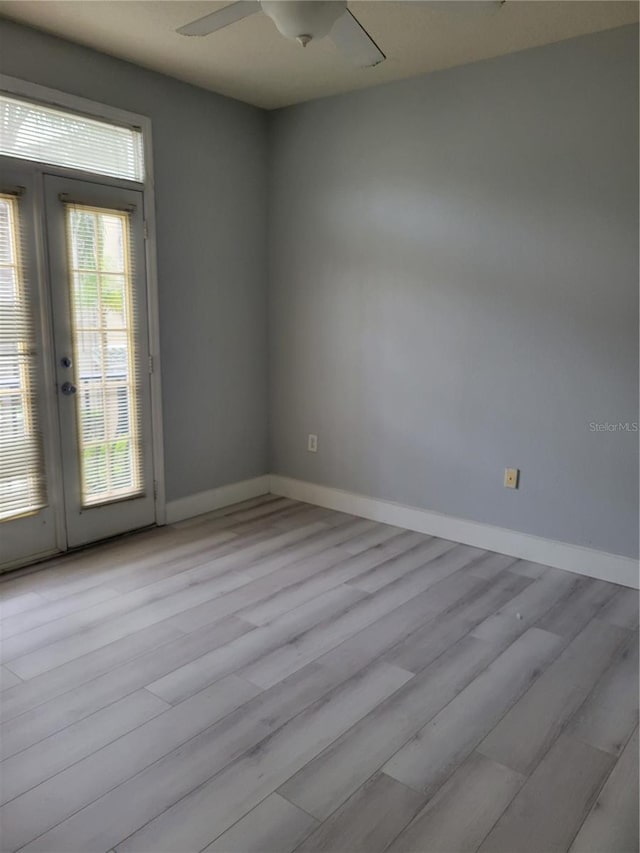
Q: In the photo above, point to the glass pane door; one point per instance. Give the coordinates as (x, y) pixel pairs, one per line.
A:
(22, 486)
(27, 507)
(96, 254)
(104, 350)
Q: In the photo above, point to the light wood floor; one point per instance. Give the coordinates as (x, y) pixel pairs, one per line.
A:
(276, 677)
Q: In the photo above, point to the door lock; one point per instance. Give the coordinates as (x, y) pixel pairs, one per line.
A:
(65, 361)
(68, 389)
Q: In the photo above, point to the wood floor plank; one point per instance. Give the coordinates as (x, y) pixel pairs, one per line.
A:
(254, 592)
(609, 714)
(303, 511)
(164, 598)
(270, 512)
(30, 694)
(553, 802)
(43, 720)
(327, 781)
(543, 711)
(20, 582)
(525, 609)
(34, 765)
(274, 594)
(208, 556)
(100, 565)
(374, 579)
(262, 546)
(144, 797)
(292, 585)
(325, 538)
(130, 573)
(62, 651)
(49, 611)
(463, 811)
(284, 520)
(530, 569)
(291, 519)
(210, 549)
(274, 826)
(304, 650)
(612, 823)
(379, 534)
(491, 565)
(34, 812)
(221, 520)
(227, 511)
(422, 646)
(202, 815)
(623, 609)
(379, 639)
(368, 821)
(253, 645)
(17, 583)
(426, 761)
(11, 606)
(8, 679)
(46, 577)
(333, 776)
(284, 660)
(567, 618)
(272, 574)
(300, 689)
(29, 579)
(181, 770)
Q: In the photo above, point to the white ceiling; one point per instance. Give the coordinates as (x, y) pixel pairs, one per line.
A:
(251, 61)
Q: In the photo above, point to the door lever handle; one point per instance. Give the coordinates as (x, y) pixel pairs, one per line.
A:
(68, 389)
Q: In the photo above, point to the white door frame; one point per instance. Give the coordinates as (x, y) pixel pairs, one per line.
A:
(53, 97)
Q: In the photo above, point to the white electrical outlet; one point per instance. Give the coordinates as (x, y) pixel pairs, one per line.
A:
(511, 478)
(312, 443)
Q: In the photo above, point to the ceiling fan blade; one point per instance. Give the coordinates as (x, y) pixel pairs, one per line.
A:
(222, 18)
(351, 38)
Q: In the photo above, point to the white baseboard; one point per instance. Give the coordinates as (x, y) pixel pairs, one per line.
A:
(212, 499)
(549, 552)
(561, 555)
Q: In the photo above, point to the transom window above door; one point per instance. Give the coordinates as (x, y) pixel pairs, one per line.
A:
(45, 134)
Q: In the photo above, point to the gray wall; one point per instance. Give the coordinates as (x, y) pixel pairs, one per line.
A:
(453, 281)
(210, 171)
(453, 290)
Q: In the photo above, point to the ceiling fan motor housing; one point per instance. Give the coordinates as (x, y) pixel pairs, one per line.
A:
(306, 19)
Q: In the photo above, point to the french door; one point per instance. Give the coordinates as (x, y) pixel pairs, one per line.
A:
(75, 407)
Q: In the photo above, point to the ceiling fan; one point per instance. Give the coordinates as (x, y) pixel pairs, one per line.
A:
(303, 21)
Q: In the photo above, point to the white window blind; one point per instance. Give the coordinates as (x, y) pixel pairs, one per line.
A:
(22, 488)
(31, 131)
(103, 324)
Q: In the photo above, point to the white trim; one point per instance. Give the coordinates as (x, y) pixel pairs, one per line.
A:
(57, 98)
(94, 109)
(562, 555)
(203, 502)
(153, 319)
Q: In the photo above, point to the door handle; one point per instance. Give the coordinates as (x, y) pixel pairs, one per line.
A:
(68, 389)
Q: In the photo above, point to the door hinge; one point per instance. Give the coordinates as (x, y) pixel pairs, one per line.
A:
(150, 364)
(145, 229)
(155, 489)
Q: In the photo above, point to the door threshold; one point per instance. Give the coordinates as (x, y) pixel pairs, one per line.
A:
(32, 564)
